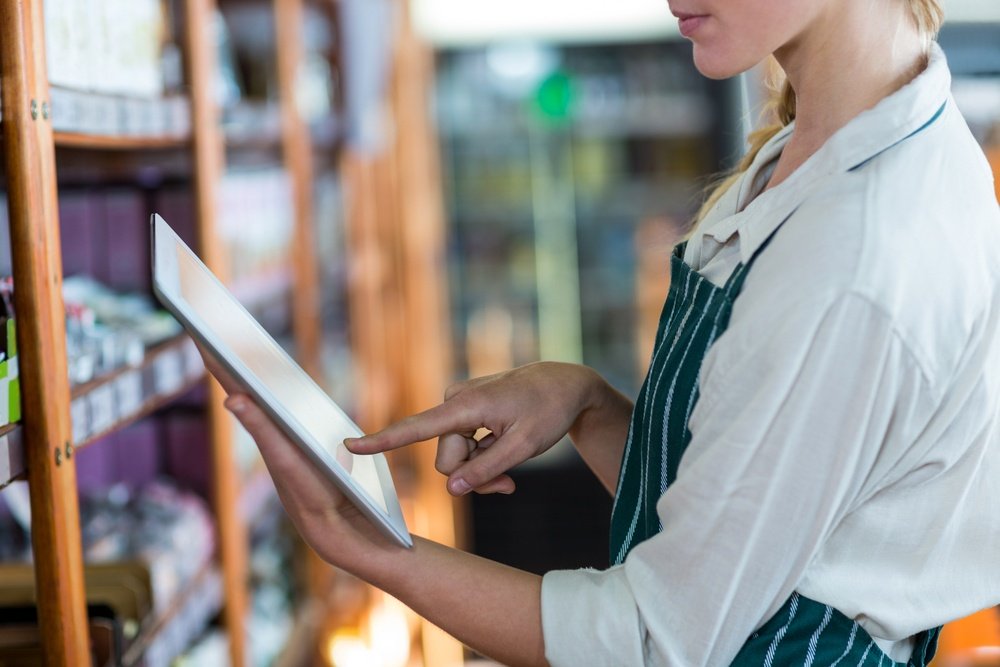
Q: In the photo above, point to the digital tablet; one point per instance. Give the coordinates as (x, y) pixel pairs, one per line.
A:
(306, 414)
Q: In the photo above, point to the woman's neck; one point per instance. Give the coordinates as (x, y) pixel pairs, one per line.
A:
(843, 64)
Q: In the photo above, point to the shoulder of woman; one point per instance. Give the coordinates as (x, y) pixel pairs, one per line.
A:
(926, 258)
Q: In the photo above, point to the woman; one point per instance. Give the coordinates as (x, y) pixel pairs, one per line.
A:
(809, 472)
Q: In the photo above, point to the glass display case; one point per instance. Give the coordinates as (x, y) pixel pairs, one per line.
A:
(569, 173)
(554, 159)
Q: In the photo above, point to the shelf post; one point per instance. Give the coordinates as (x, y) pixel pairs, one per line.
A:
(29, 154)
(209, 164)
(297, 153)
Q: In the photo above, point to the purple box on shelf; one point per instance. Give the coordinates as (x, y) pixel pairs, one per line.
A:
(96, 467)
(186, 452)
(5, 256)
(127, 226)
(82, 240)
(176, 206)
(130, 456)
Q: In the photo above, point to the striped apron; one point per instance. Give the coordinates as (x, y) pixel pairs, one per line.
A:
(803, 631)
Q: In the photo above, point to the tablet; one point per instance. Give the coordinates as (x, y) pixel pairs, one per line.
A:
(306, 414)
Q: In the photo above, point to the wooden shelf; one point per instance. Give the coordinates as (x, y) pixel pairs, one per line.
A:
(254, 152)
(113, 401)
(86, 160)
(118, 399)
(260, 142)
(197, 603)
(118, 143)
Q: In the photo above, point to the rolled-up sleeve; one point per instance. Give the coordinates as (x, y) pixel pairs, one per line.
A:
(790, 431)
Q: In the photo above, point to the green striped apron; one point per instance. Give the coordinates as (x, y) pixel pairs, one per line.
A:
(803, 631)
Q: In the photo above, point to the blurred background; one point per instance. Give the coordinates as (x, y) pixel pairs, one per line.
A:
(406, 195)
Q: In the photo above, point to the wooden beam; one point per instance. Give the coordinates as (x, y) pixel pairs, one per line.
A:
(421, 236)
(297, 150)
(209, 164)
(29, 154)
(368, 281)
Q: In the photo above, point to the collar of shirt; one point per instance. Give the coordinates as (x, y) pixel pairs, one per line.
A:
(871, 132)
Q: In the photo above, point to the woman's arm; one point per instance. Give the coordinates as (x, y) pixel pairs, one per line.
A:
(493, 608)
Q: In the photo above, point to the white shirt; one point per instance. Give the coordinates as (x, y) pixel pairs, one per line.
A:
(846, 443)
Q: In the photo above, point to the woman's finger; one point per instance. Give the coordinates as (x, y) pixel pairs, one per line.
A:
(450, 417)
(219, 373)
(453, 450)
(279, 454)
(300, 485)
(486, 441)
(487, 464)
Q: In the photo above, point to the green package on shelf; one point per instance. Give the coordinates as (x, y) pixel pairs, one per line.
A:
(10, 383)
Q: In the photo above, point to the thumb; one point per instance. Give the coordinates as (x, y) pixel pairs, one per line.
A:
(485, 472)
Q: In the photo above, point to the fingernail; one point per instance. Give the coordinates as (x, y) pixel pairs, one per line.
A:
(459, 486)
(351, 442)
(236, 405)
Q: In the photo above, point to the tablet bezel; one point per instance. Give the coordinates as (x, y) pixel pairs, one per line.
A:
(166, 286)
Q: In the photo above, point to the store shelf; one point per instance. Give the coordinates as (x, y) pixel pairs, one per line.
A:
(115, 400)
(166, 635)
(264, 141)
(119, 142)
(124, 589)
(252, 132)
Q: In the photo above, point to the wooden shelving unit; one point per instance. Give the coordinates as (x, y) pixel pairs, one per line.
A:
(29, 154)
(395, 219)
(117, 143)
(57, 420)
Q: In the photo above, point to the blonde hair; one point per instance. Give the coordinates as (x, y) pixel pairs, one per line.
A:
(779, 110)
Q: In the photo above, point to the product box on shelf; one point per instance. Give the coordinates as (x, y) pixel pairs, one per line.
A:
(10, 383)
(106, 46)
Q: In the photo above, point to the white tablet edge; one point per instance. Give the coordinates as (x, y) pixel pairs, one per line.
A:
(165, 287)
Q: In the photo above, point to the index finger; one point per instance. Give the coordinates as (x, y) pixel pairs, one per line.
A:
(449, 417)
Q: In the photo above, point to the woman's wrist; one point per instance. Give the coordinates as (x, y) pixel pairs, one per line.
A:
(601, 428)
(601, 403)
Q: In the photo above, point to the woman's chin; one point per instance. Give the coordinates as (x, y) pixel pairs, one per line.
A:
(717, 66)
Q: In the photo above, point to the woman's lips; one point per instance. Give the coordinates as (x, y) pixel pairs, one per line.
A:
(689, 23)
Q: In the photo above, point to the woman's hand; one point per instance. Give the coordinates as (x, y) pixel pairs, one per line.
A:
(330, 523)
(525, 411)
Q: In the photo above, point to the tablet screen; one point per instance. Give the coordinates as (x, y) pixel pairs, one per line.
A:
(293, 390)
